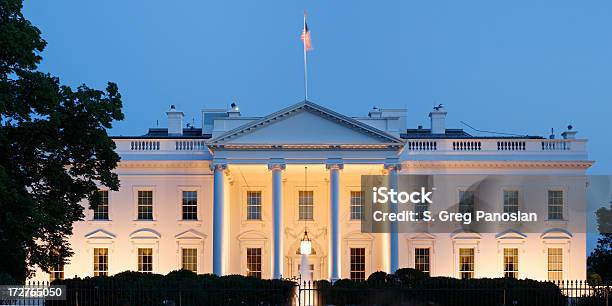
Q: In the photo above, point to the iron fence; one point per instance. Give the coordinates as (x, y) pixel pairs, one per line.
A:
(484, 292)
(566, 293)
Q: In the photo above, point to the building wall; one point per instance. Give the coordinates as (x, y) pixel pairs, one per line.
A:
(123, 234)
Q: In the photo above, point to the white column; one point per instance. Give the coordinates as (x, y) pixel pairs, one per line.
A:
(393, 231)
(218, 226)
(334, 216)
(277, 209)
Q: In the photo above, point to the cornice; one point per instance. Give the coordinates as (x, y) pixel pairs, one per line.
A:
(164, 164)
(498, 164)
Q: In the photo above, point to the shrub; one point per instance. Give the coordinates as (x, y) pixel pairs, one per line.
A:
(135, 288)
(411, 287)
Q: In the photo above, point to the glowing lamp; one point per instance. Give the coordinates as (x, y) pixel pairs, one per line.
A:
(305, 245)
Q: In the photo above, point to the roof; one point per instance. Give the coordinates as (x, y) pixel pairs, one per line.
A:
(190, 132)
(455, 134)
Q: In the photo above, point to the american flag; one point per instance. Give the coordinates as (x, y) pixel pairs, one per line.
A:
(306, 36)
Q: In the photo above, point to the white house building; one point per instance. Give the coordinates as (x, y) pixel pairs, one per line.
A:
(232, 197)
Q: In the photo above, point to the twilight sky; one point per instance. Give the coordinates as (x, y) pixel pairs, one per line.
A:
(511, 66)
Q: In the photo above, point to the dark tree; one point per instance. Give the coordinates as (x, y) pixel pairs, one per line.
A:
(54, 150)
(600, 260)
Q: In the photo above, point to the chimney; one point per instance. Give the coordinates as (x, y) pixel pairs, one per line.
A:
(175, 122)
(438, 120)
(570, 133)
(375, 112)
(234, 110)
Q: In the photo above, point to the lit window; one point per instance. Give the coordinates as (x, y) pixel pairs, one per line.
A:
(358, 264)
(356, 205)
(555, 264)
(56, 272)
(253, 205)
(555, 205)
(101, 211)
(254, 262)
(145, 260)
(306, 205)
(421, 260)
(466, 263)
(511, 201)
(145, 205)
(100, 262)
(190, 260)
(190, 205)
(511, 263)
(466, 202)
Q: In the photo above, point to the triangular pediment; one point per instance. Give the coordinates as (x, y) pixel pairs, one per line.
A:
(100, 234)
(305, 123)
(511, 234)
(422, 236)
(190, 234)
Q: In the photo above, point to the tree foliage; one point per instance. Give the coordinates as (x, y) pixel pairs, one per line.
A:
(600, 260)
(54, 150)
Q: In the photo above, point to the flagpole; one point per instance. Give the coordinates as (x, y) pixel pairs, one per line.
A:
(305, 61)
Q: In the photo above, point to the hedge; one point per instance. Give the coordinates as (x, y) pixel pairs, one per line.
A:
(178, 287)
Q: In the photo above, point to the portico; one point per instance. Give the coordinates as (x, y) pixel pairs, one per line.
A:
(279, 216)
(274, 153)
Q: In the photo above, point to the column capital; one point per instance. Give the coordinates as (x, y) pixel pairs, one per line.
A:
(392, 164)
(277, 164)
(218, 164)
(334, 164)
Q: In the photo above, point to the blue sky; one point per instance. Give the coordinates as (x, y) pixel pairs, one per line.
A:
(512, 66)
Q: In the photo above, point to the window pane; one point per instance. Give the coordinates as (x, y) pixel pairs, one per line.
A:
(145, 260)
(356, 205)
(358, 264)
(555, 264)
(466, 263)
(190, 260)
(466, 202)
(511, 201)
(101, 211)
(511, 262)
(253, 205)
(306, 205)
(190, 205)
(555, 204)
(145, 205)
(100, 261)
(56, 272)
(254, 262)
(421, 260)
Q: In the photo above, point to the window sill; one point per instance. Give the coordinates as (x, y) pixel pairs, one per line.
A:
(100, 222)
(254, 222)
(189, 222)
(144, 221)
(556, 222)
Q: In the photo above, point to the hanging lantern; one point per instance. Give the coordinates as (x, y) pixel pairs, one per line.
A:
(305, 245)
